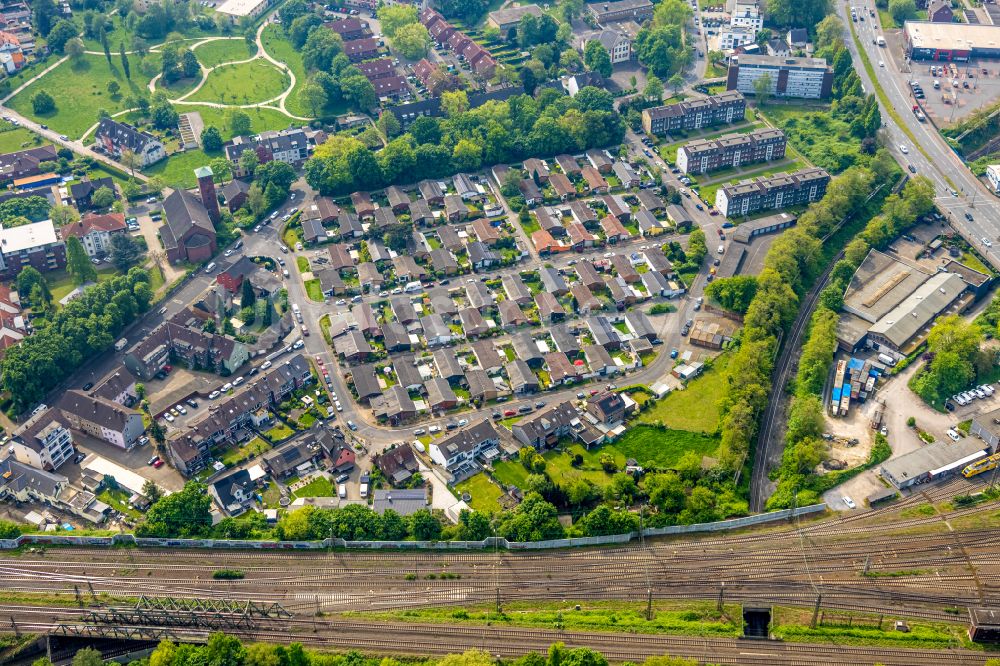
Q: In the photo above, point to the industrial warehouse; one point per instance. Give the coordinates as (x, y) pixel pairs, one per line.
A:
(951, 41)
(890, 305)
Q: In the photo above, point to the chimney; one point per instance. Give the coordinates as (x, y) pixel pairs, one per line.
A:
(206, 188)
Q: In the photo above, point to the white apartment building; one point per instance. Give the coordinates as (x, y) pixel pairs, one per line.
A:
(44, 441)
(733, 38)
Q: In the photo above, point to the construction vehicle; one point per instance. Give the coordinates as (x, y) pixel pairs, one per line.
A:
(983, 465)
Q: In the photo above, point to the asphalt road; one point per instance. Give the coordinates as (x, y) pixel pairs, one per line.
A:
(940, 163)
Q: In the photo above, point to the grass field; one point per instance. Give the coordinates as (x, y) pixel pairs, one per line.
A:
(314, 291)
(485, 494)
(61, 283)
(18, 138)
(657, 447)
(511, 472)
(80, 92)
(178, 169)
(215, 53)
(248, 83)
(254, 447)
(695, 408)
(318, 487)
(280, 48)
(260, 119)
(707, 192)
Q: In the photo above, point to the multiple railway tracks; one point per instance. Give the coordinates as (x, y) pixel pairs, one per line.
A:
(877, 562)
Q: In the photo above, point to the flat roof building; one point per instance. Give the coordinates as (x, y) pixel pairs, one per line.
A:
(781, 190)
(925, 40)
(808, 78)
(932, 462)
(237, 9)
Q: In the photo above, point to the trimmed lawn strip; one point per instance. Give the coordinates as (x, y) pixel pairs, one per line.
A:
(254, 447)
(314, 291)
(18, 138)
(318, 487)
(178, 169)
(61, 282)
(248, 83)
(695, 408)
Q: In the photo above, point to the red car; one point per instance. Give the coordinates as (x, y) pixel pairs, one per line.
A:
(168, 368)
(158, 464)
(509, 412)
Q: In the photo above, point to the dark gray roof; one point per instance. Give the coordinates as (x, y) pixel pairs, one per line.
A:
(404, 502)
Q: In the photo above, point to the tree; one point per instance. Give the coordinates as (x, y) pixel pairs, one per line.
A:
(189, 64)
(248, 162)
(239, 123)
(44, 12)
(424, 526)
(313, 96)
(42, 103)
(411, 41)
(164, 115)
(78, 263)
(597, 59)
(61, 33)
(797, 13)
(529, 81)
(114, 88)
(454, 103)
(292, 10)
(106, 46)
(733, 293)
(222, 168)
(902, 10)
(74, 48)
(298, 31)
(31, 285)
(88, 657)
(321, 46)
(388, 124)
(676, 82)
(654, 89)
(359, 90)
(102, 197)
(186, 513)
(762, 88)
(125, 252)
(247, 295)
(396, 16)
(211, 139)
(63, 215)
(830, 33)
(124, 58)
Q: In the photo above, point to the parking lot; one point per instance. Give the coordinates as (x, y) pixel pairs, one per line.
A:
(950, 102)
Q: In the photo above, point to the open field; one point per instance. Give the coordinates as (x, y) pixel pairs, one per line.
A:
(652, 446)
(18, 138)
(318, 487)
(178, 169)
(219, 51)
(80, 92)
(247, 83)
(695, 408)
(278, 46)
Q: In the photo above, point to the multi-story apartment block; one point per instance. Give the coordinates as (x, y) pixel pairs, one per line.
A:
(95, 232)
(746, 15)
(731, 150)
(43, 441)
(622, 10)
(101, 418)
(779, 191)
(290, 146)
(735, 37)
(807, 78)
(617, 43)
(35, 245)
(727, 107)
(174, 339)
(115, 138)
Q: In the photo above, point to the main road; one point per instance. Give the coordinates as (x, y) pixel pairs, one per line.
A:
(958, 191)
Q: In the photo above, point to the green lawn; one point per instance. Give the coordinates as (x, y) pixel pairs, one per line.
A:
(314, 291)
(254, 447)
(118, 500)
(303, 264)
(61, 283)
(510, 472)
(559, 464)
(279, 432)
(18, 138)
(695, 408)
(178, 169)
(318, 487)
(220, 51)
(248, 83)
(279, 48)
(121, 33)
(80, 91)
(651, 446)
(485, 494)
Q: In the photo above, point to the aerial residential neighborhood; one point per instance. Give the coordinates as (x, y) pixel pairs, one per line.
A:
(313, 317)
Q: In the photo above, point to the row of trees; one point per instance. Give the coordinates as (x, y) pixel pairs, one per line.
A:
(62, 341)
(469, 139)
(223, 650)
(660, 44)
(804, 447)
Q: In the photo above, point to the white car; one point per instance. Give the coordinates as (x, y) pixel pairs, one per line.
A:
(214, 394)
(226, 387)
(265, 365)
(418, 432)
(849, 502)
(434, 429)
(960, 400)
(341, 302)
(298, 345)
(903, 149)
(238, 381)
(989, 390)
(339, 406)
(953, 434)
(462, 422)
(228, 253)
(168, 417)
(987, 242)
(180, 408)
(881, 64)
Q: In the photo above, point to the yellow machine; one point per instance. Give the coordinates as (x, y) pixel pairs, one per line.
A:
(980, 466)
